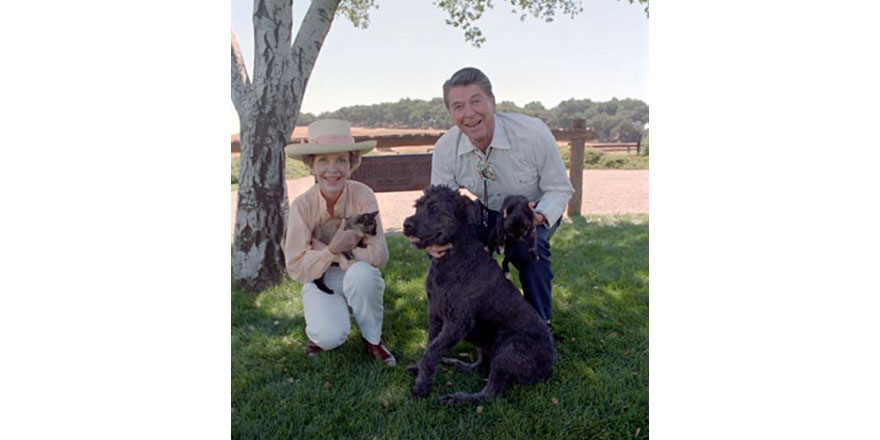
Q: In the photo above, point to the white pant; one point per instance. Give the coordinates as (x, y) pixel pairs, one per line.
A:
(360, 287)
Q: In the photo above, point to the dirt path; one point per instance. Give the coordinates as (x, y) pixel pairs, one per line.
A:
(605, 192)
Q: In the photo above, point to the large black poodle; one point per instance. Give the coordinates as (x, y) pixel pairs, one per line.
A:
(469, 298)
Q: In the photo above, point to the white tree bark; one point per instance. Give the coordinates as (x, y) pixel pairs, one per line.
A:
(267, 108)
(242, 92)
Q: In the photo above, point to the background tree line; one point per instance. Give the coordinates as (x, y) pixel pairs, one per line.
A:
(617, 120)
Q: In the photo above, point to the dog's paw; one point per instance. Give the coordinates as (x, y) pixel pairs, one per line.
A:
(448, 399)
(413, 369)
(452, 399)
(419, 391)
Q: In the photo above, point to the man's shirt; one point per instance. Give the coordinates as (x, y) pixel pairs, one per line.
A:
(524, 157)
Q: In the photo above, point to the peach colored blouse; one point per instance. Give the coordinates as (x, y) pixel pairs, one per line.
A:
(310, 210)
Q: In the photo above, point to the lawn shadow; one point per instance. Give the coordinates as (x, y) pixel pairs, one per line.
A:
(600, 319)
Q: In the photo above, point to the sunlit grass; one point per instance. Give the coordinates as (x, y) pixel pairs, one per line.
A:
(599, 389)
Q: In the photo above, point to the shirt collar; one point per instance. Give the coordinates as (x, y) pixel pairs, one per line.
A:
(341, 202)
(499, 139)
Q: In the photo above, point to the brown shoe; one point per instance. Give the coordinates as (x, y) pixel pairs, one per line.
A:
(380, 353)
(313, 349)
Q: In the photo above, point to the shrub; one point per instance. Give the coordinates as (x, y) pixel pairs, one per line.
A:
(614, 162)
(593, 156)
(236, 164)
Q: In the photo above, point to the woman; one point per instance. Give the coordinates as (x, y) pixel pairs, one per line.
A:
(332, 154)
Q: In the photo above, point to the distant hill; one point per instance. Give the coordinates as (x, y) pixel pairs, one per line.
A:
(620, 120)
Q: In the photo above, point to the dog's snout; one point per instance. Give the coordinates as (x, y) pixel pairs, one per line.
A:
(408, 225)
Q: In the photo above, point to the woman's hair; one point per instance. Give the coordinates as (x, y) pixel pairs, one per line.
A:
(354, 157)
(354, 160)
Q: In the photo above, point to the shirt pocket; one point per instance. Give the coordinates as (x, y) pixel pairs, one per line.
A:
(526, 178)
(468, 182)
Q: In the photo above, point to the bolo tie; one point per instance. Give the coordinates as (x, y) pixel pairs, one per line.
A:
(484, 168)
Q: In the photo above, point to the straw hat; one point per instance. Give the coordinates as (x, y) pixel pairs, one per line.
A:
(328, 136)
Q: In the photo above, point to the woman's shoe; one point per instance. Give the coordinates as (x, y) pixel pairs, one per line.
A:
(313, 349)
(380, 353)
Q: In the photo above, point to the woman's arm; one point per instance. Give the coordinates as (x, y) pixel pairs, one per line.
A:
(304, 263)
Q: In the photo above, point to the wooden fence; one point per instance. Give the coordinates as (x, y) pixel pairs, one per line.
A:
(616, 146)
(410, 172)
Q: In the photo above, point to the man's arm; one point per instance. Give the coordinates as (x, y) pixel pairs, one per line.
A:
(552, 178)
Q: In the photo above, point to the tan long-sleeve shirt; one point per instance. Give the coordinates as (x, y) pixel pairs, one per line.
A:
(310, 210)
(524, 157)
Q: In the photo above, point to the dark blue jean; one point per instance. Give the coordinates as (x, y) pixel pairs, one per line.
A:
(534, 276)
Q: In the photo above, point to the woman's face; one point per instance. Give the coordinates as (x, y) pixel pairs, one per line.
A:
(332, 171)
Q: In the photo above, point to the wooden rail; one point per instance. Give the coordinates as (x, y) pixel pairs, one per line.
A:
(417, 139)
(411, 172)
(398, 172)
(615, 146)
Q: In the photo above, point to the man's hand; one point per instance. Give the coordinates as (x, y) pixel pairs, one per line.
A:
(344, 241)
(539, 218)
(438, 250)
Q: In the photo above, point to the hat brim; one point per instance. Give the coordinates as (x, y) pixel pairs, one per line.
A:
(300, 151)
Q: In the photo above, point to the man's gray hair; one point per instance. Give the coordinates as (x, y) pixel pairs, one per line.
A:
(466, 77)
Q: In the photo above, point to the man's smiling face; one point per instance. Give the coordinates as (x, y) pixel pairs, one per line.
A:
(473, 111)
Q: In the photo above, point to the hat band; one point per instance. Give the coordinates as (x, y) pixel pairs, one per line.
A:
(332, 139)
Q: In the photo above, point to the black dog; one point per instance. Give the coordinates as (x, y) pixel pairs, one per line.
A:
(517, 223)
(469, 298)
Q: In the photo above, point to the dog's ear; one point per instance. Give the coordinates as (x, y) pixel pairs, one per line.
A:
(500, 234)
(470, 210)
(496, 237)
(371, 214)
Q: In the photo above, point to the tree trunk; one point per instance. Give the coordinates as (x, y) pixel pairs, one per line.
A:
(268, 108)
(261, 217)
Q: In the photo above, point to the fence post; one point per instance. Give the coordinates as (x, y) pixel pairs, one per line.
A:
(576, 169)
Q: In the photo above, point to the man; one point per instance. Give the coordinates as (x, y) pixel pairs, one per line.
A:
(494, 155)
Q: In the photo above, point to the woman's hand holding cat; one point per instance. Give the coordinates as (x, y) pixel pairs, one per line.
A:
(344, 240)
(317, 245)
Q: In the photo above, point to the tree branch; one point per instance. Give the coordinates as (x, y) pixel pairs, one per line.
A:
(273, 23)
(307, 45)
(241, 85)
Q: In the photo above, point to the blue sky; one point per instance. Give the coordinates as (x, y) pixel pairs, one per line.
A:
(408, 51)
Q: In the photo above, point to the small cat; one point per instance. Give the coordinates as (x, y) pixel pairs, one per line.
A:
(365, 223)
(517, 223)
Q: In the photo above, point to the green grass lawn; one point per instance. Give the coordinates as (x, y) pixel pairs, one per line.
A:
(598, 390)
